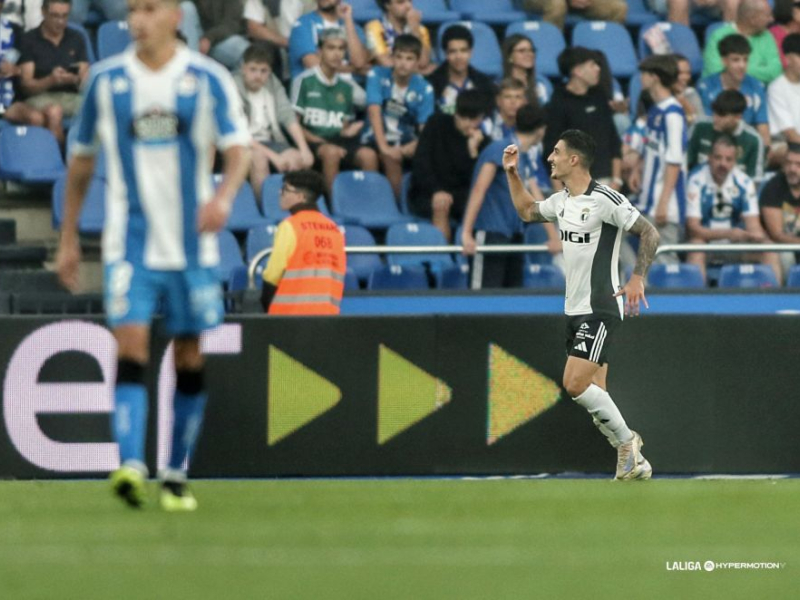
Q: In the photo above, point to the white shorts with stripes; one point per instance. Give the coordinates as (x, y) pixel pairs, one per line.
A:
(589, 337)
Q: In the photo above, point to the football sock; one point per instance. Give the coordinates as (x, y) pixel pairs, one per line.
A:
(129, 419)
(605, 414)
(188, 406)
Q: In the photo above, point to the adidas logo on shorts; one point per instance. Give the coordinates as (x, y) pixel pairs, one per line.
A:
(582, 347)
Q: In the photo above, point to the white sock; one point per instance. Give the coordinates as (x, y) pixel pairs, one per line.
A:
(605, 414)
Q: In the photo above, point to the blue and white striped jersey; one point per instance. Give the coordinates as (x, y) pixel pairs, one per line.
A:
(721, 206)
(665, 144)
(157, 130)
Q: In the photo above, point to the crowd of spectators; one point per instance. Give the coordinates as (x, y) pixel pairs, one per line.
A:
(707, 160)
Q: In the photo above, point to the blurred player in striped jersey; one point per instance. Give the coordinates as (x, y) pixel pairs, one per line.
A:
(157, 110)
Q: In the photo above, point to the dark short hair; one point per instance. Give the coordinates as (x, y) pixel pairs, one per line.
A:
(457, 32)
(729, 102)
(572, 57)
(407, 43)
(724, 139)
(663, 66)
(794, 147)
(791, 44)
(307, 181)
(581, 143)
(530, 118)
(734, 43)
(46, 3)
(471, 104)
(258, 53)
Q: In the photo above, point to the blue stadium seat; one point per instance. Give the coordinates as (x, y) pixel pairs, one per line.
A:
(496, 12)
(747, 276)
(366, 198)
(361, 264)
(549, 42)
(257, 239)
(543, 277)
(793, 278)
(271, 200)
(237, 280)
(435, 12)
(486, 54)
(681, 38)
(404, 189)
(86, 39)
(365, 10)
(613, 40)
(395, 277)
(244, 214)
(29, 155)
(535, 233)
(638, 14)
(680, 275)
(417, 234)
(230, 256)
(93, 211)
(350, 280)
(112, 38)
(454, 277)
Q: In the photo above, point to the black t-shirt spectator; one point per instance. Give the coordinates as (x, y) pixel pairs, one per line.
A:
(46, 56)
(441, 164)
(589, 113)
(776, 194)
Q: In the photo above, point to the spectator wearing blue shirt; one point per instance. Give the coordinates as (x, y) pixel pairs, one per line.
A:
(490, 216)
(735, 53)
(722, 206)
(399, 103)
(304, 39)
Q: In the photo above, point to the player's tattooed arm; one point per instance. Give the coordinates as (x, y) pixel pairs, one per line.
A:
(648, 243)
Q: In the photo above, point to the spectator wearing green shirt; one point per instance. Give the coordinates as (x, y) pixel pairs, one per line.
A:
(727, 110)
(752, 19)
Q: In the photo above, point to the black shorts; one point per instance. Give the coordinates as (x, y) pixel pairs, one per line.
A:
(589, 336)
(351, 145)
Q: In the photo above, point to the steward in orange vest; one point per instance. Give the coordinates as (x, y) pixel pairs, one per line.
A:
(305, 272)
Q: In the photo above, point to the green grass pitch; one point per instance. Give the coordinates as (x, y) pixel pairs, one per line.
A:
(388, 539)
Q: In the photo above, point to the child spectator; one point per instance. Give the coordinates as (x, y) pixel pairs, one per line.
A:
(399, 102)
(326, 101)
(510, 98)
(399, 16)
(268, 112)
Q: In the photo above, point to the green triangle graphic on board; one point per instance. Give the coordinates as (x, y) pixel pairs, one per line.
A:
(518, 393)
(296, 395)
(406, 394)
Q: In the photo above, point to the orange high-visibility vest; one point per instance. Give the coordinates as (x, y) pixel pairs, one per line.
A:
(313, 282)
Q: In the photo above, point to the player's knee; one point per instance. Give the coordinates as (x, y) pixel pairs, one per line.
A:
(575, 386)
(130, 372)
(190, 381)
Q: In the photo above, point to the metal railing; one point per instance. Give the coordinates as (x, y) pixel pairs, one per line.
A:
(518, 248)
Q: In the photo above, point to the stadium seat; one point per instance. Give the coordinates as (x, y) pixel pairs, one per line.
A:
(350, 280)
(435, 12)
(747, 276)
(496, 12)
(613, 40)
(418, 234)
(244, 214)
(680, 275)
(793, 278)
(230, 256)
(536, 234)
(86, 39)
(93, 212)
(681, 38)
(549, 42)
(29, 155)
(404, 189)
(638, 14)
(365, 10)
(454, 277)
(395, 277)
(486, 54)
(237, 280)
(543, 277)
(361, 264)
(257, 239)
(112, 38)
(366, 198)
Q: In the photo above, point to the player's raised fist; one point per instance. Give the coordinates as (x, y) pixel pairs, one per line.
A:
(510, 158)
